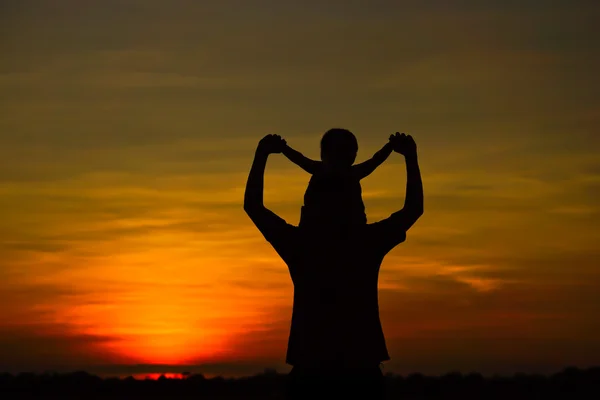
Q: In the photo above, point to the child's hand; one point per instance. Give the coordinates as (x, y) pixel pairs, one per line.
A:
(271, 144)
(403, 144)
(396, 141)
(391, 141)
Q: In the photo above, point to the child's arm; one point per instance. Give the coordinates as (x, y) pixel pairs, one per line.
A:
(300, 160)
(367, 167)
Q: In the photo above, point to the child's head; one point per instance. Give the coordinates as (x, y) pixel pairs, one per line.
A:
(339, 147)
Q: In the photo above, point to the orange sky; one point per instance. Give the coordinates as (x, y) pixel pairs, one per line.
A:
(127, 129)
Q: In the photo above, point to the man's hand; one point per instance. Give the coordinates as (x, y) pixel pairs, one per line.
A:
(271, 144)
(404, 144)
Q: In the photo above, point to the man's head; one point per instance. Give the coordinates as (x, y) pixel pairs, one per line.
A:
(339, 147)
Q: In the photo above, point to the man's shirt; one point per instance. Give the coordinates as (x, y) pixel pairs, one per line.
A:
(335, 313)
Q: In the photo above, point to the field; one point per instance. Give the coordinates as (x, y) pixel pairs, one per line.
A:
(571, 383)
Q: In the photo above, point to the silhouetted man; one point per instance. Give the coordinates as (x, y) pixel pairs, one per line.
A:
(336, 342)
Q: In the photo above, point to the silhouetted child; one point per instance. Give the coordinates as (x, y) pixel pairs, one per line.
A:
(334, 190)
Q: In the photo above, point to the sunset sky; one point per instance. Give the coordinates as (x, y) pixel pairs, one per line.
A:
(127, 130)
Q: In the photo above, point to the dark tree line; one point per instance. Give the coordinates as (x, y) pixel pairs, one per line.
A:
(571, 383)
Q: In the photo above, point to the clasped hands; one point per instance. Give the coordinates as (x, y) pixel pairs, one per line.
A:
(401, 143)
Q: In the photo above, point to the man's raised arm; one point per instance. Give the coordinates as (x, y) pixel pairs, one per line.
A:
(413, 202)
(393, 228)
(253, 197)
(264, 219)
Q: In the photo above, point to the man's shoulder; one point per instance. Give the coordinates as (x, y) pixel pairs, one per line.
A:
(385, 234)
(274, 228)
(373, 226)
(287, 226)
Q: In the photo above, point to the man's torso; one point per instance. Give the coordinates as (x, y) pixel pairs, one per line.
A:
(335, 313)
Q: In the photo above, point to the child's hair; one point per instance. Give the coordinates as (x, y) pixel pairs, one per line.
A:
(339, 146)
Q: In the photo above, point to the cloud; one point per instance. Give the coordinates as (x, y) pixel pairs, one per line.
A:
(34, 348)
